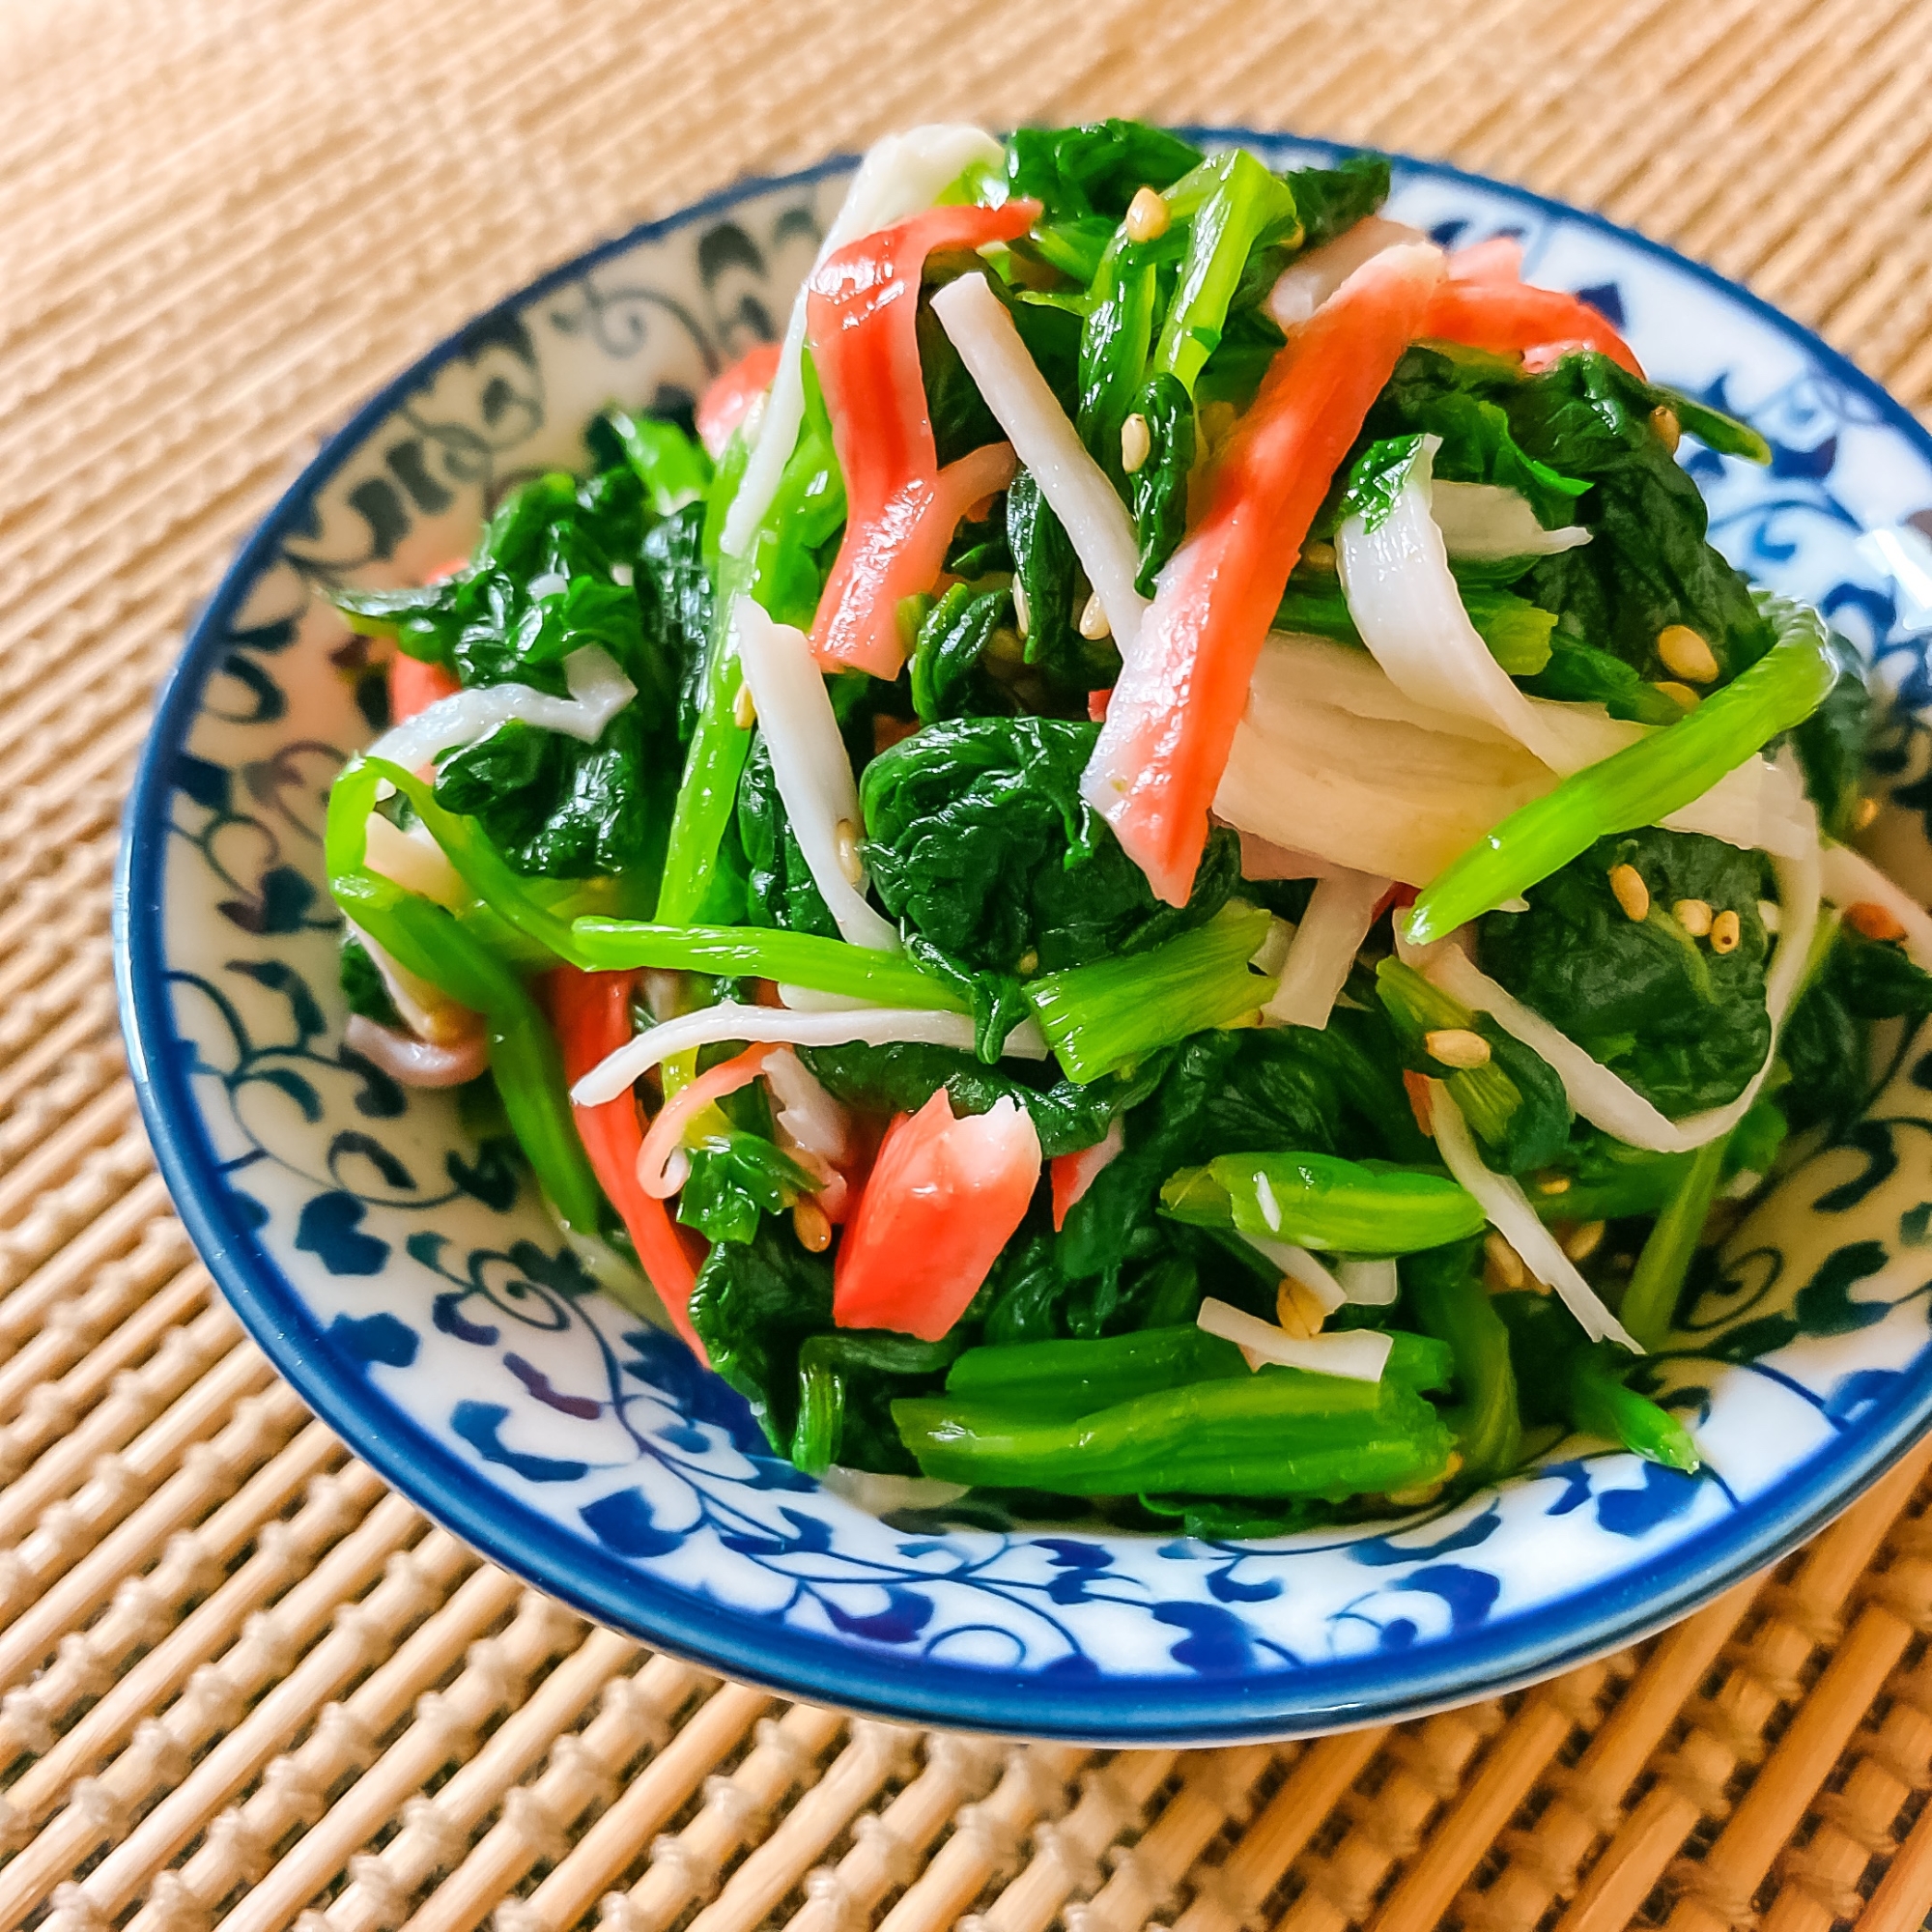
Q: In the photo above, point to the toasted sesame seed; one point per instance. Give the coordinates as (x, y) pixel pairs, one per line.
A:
(1874, 920)
(811, 1226)
(1147, 215)
(1022, 611)
(1725, 932)
(1633, 895)
(1319, 555)
(847, 840)
(1457, 1046)
(1667, 429)
(1027, 963)
(1863, 815)
(1693, 916)
(1094, 624)
(1581, 1242)
(1686, 653)
(1552, 1183)
(1298, 1309)
(1502, 1262)
(744, 709)
(1680, 695)
(1136, 442)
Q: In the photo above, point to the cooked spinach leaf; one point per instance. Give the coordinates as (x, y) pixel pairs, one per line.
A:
(753, 1305)
(363, 989)
(900, 1078)
(779, 886)
(979, 840)
(1685, 1024)
(949, 675)
(557, 808)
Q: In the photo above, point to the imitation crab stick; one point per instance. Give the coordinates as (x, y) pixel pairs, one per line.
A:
(1171, 719)
(861, 321)
(414, 686)
(592, 1011)
(944, 1198)
(729, 396)
(1486, 311)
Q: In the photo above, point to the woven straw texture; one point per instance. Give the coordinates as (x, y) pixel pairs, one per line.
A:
(241, 1685)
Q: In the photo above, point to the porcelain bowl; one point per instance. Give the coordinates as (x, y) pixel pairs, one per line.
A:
(427, 1309)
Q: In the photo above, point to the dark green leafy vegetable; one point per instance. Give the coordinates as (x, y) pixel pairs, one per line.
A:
(1330, 201)
(1564, 1380)
(1093, 169)
(1833, 743)
(1444, 1291)
(1648, 564)
(754, 1306)
(1581, 673)
(900, 1078)
(847, 1382)
(1681, 1023)
(737, 1176)
(363, 990)
(980, 841)
(949, 678)
(1515, 1104)
(1046, 579)
(559, 809)
(671, 465)
(1447, 392)
(673, 585)
(1826, 1044)
(1160, 486)
(779, 886)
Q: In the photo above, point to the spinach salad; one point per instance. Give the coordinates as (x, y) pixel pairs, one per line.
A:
(1153, 863)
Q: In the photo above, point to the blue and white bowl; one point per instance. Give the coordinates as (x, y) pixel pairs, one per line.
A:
(432, 1315)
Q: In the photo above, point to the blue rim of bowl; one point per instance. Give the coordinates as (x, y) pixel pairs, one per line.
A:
(1328, 1694)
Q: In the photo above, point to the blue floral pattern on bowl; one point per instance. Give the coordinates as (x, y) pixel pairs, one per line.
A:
(429, 1312)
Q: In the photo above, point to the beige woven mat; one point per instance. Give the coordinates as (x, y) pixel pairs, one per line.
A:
(240, 1681)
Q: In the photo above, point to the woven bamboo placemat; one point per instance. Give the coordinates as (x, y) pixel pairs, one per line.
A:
(240, 1684)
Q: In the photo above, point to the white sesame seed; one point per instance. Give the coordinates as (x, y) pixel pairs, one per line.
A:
(1633, 895)
(1457, 1046)
(1147, 215)
(1684, 652)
